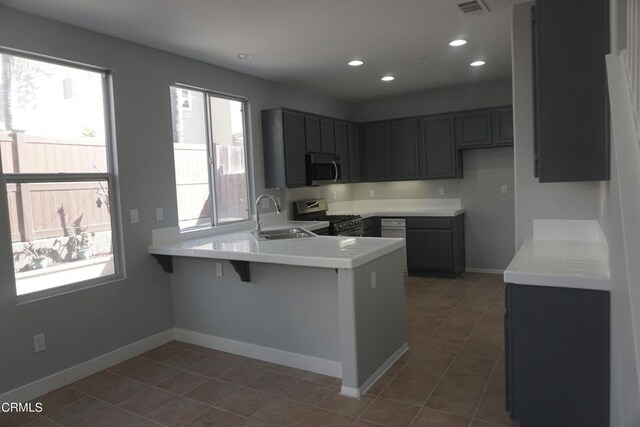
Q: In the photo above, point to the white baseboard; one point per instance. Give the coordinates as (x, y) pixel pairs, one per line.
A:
(484, 270)
(359, 392)
(60, 379)
(295, 360)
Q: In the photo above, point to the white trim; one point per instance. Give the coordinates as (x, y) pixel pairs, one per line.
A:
(359, 392)
(484, 270)
(65, 377)
(268, 354)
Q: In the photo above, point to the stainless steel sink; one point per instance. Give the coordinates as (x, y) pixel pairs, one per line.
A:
(282, 233)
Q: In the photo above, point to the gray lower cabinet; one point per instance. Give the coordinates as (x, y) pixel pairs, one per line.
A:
(372, 227)
(405, 161)
(439, 155)
(570, 90)
(342, 149)
(377, 152)
(355, 174)
(284, 148)
(435, 245)
(557, 356)
(312, 134)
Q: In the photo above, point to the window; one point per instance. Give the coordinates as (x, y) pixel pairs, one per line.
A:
(209, 148)
(56, 161)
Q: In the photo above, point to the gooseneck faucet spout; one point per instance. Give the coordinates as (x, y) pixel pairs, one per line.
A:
(275, 202)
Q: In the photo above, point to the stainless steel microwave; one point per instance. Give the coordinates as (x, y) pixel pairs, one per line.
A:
(323, 169)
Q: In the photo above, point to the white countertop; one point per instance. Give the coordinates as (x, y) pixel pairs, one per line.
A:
(321, 251)
(399, 207)
(581, 264)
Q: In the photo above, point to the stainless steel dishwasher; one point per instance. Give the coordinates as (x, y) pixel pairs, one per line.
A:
(395, 227)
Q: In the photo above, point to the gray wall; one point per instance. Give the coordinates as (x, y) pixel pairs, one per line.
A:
(534, 200)
(619, 220)
(489, 222)
(84, 324)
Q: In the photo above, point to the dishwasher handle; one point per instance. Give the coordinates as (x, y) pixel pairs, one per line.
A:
(393, 223)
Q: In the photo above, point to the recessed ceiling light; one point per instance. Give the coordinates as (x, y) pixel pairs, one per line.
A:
(356, 63)
(477, 63)
(457, 42)
(387, 78)
(244, 56)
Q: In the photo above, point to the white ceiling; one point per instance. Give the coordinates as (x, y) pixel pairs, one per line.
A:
(308, 43)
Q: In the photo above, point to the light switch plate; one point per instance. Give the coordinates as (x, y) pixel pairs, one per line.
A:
(372, 192)
(135, 216)
(159, 214)
(219, 269)
(39, 343)
(504, 189)
(441, 191)
(374, 283)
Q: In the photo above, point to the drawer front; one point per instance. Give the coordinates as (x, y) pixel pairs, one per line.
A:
(429, 223)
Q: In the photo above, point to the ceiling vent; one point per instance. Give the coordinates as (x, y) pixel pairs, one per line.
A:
(472, 6)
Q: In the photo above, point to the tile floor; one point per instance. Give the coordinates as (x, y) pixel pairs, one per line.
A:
(452, 375)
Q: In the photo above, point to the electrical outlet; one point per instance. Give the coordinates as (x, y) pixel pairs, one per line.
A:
(265, 203)
(374, 283)
(135, 216)
(335, 195)
(372, 192)
(218, 269)
(159, 214)
(504, 189)
(39, 343)
(441, 191)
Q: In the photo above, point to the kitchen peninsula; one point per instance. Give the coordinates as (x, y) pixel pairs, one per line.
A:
(333, 305)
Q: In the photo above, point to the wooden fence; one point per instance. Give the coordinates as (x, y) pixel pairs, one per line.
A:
(44, 210)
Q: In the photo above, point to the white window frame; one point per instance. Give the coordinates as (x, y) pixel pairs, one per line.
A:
(210, 153)
(110, 177)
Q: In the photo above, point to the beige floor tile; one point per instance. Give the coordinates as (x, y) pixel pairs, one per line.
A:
(481, 349)
(308, 392)
(321, 418)
(453, 401)
(57, 399)
(212, 366)
(186, 359)
(216, 417)
(177, 411)
(120, 390)
(183, 382)
(39, 422)
(241, 374)
(79, 411)
(429, 417)
(146, 401)
(492, 409)
(212, 391)
(412, 392)
(115, 417)
(324, 379)
(346, 405)
(473, 365)
(436, 357)
(281, 412)
(446, 344)
(390, 413)
(454, 331)
(162, 353)
(272, 382)
(380, 385)
(422, 372)
(463, 381)
(244, 401)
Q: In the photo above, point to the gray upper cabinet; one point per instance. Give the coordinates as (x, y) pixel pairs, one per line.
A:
(354, 153)
(327, 136)
(312, 132)
(404, 150)
(474, 129)
(439, 155)
(570, 90)
(502, 122)
(284, 148)
(342, 149)
(377, 151)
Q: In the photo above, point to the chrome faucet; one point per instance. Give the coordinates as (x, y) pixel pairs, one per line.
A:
(275, 202)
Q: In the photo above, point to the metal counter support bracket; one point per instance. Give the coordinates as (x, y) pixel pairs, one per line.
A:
(242, 268)
(166, 261)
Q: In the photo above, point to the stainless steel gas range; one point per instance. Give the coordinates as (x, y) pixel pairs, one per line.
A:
(339, 225)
